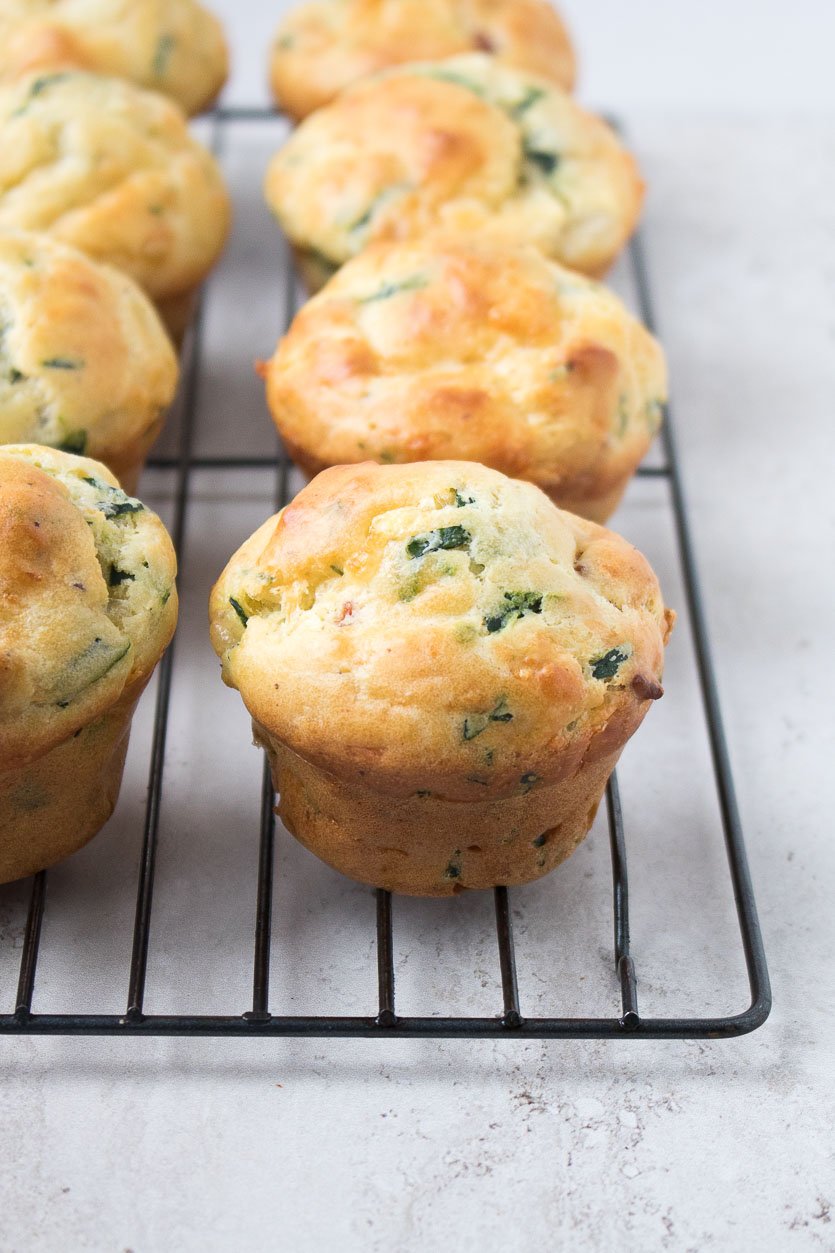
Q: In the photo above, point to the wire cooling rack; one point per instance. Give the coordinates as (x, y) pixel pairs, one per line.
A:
(383, 1021)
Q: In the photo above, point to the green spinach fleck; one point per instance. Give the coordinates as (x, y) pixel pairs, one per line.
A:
(453, 870)
(501, 713)
(415, 283)
(89, 666)
(162, 55)
(475, 724)
(239, 610)
(516, 606)
(531, 97)
(461, 500)
(38, 86)
(654, 415)
(63, 363)
(446, 537)
(607, 666)
(119, 508)
(364, 220)
(116, 503)
(46, 80)
(545, 161)
(623, 414)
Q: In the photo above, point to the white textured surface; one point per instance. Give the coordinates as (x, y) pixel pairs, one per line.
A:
(718, 55)
(156, 1146)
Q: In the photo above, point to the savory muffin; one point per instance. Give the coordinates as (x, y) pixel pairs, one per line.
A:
(87, 607)
(485, 352)
(85, 363)
(465, 144)
(443, 668)
(113, 170)
(173, 46)
(323, 46)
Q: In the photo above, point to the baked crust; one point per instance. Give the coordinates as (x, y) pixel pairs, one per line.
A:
(87, 594)
(52, 806)
(87, 607)
(111, 169)
(176, 47)
(438, 631)
(425, 845)
(464, 144)
(485, 352)
(324, 46)
(85, 364)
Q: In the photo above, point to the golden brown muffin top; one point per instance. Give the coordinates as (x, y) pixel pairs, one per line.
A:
(85, 364)
(173, 46)
(87, 596)
(465, 144)
(485, 351)
(323, 46)
(113, 170)
(440, 623)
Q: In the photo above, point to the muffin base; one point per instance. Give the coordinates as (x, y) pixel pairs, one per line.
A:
(129, 476)
(177, 312)
(53, 806)
(313, 269)
(129, 463)
(597, 508)
(425, 845)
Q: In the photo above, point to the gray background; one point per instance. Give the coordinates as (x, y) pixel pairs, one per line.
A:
(218, 1145)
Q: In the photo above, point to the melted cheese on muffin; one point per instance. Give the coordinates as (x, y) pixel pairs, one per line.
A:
(440, 622)
(85, 364)
(483, 351)
(100, 164)
(172, 46)
(466, 144)
(324, 46)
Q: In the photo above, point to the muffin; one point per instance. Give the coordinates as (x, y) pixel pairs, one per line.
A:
(85, 364)
(443, 668)
(326, 45)
(173, 46)
(87, 607)
(466, 144)
(113, 170)
(485, 352)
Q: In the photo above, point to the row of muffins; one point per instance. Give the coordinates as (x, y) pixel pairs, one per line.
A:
(91, 162)
(99, 165)
(111, 214)
(442, 666)
(482, 657)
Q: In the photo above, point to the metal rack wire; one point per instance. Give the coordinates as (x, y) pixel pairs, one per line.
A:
(510, 1022)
